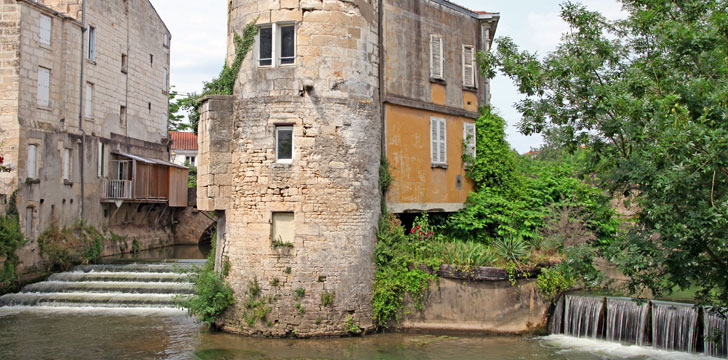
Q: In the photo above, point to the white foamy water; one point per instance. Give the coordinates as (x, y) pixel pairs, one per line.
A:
(609, 350)
(93, 310)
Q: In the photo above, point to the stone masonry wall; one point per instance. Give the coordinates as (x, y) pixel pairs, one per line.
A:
(330, 97)
(49, 199)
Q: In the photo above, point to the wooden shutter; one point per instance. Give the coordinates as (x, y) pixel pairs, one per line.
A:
(469, 139)
(45, 29)
(44, 86)
(436, 58)
(438, 142)
(468, 68)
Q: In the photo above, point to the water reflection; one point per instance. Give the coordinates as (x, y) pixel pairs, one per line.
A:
(48, 333)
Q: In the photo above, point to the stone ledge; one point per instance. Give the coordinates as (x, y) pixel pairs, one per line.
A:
(479, 273)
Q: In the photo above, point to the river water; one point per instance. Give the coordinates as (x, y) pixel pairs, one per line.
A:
(38, 332)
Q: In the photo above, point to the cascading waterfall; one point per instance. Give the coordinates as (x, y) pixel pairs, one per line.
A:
(107, 286)
(716, 334)
(557, 319)
(674, 326)
(582, 315)
(626, 321)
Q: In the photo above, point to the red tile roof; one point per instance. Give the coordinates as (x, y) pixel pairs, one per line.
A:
(183, 140)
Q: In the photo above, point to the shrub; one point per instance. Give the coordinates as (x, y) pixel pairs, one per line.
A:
(212, 294)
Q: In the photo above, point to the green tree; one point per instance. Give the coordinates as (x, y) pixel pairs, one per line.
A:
(649, 96)
(177, 107)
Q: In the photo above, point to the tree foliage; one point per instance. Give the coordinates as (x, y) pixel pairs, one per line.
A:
(221, 85)
(649, 97)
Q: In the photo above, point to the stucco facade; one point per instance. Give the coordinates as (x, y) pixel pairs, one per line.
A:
(56, 154)
(346, 88)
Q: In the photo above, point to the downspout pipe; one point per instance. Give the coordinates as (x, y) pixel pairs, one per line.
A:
(80, 106)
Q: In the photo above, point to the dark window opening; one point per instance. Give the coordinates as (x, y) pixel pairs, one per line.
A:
(265, 55)
(288, 49)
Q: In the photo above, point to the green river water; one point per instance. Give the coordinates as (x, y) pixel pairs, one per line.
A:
(40, 332)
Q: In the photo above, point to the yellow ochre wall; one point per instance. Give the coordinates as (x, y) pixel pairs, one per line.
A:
(417, 185)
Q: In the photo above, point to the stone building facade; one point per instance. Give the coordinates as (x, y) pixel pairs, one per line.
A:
(290, 162)
(73, 95)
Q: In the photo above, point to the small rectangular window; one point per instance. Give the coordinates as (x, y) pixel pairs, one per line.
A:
(265, 52)
(164, 79)
(437, 63)
(468, 66)
(438, 142)
(165, 42)
(124, 63)
(44, 86)
(288, 44)
(284, 143)
(46, 26)
(283, 229)
(89, 104)
(32, 166)
(101, 158)
(151, 59)
(91, 41)
(67, 164)
(122, 116)
(469, 139)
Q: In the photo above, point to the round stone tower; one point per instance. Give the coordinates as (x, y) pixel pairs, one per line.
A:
(300, 223)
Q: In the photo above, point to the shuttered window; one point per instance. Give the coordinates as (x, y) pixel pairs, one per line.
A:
(438, 143)
(436, 58)
(45, 29)
(91, 54)
(101, 159)
(89, 106)
(468, 66)
(469, 139)
(44, 86)
(32, 166)
(66, 164)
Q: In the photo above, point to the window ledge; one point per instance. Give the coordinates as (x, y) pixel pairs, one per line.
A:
(470, 89)
(44, 108)
(92, 62)
(439, 166)
(123, 71)
(46, 47)
(68, 182)
(438, 81)
(30, 181)
(281, 165)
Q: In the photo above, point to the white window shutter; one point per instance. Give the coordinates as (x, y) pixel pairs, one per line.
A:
(436, 58)
(434, 143)
(438, 140)
(32, 165)
(89, 101)
(443, 142)
(469, 139)
(44, 86)
(468, 71)
(66, 164)
(45, 29)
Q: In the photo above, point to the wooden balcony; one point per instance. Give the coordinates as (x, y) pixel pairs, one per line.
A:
(141, 180)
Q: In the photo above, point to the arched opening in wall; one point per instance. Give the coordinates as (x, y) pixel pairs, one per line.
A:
(205, 243)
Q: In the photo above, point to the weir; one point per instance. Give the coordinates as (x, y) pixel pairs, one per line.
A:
(108, 286)
(663, 325)
(626, 321)
(582, 315)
